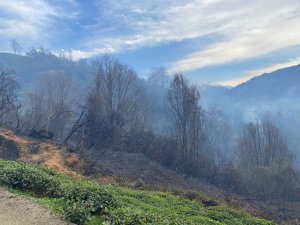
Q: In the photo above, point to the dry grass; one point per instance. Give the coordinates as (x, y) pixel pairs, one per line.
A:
(49, 155)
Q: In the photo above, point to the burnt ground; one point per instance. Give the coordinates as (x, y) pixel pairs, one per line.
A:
(136, 171)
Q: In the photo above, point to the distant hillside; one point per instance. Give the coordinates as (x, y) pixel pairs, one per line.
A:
(211, 92)
(283, 83)
(28, 67)
(273, 95)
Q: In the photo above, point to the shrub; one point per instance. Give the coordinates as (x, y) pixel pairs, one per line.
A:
(29, 178)
(95, 198)
(127, 216)
(76, 212)
(81, 199)
(130, 216)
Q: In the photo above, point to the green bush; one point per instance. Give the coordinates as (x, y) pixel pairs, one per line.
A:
(127, 216)
(81, 199)
(94, 197)
(29, 178)
(76, 212)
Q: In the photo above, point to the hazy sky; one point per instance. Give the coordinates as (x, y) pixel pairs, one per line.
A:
(219, 41)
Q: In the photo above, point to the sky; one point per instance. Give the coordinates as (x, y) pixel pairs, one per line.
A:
(222, 42)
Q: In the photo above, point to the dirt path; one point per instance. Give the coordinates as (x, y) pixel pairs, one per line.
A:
(15, 210)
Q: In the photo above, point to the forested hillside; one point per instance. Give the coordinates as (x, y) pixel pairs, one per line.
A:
(160, 117)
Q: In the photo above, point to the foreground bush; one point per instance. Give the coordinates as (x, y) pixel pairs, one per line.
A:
(29, 178)
(127, 216)
(76, 212)
(81, 198)
(95, 198)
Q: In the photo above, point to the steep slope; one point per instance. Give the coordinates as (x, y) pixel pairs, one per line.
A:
(85, 202)
(135, 171)
(46, 153)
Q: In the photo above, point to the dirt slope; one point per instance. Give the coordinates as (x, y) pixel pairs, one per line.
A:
(15, 210)
(44, 152)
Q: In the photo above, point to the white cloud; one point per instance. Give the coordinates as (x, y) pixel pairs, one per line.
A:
(81, 54)
(31, 21)
(245, 29)
(258, 72)
(262, 29)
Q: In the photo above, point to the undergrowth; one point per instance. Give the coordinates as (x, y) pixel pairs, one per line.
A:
(85, 202)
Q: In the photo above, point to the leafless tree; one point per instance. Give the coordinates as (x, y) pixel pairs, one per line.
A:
(265, 163)
(8, 96)
(159, 76)
(51, 105)
(261, 145)
(219, 134)
(15, 46)
(116, 103)
(187, 115)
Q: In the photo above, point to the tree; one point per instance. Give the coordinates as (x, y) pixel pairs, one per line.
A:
(8, 96)
(52, 104)
(15, 46)
(262, 145)
(116, 103)
(187, 115)
(159, 77)
(219, 134)
(265, 163)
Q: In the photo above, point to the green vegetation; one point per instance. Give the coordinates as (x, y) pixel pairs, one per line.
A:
(85, 202)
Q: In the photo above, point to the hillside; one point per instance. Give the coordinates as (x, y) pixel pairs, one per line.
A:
(273, 96)
(283, 83)
(27, 68)
(84, 202)
(135, 171)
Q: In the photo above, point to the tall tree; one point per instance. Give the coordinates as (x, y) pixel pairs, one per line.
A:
(8, 95)
(187, 115)
(116, 103)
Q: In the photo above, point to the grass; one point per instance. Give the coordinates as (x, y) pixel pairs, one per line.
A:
(134, 207)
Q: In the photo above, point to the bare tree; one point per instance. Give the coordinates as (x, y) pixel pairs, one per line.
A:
(187, 115)
(52, 103)
(219, 134)
(8, 96)
(115, 104)
(15, 46)
(265, 163)
(261, 145)
(159, 76)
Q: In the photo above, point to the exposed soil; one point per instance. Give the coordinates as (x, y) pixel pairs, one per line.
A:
(15, 210)
(46, 153)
